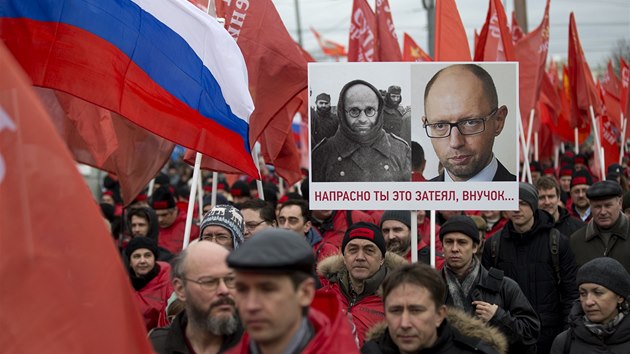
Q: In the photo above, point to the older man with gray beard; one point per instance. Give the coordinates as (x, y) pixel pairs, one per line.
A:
(205, 284)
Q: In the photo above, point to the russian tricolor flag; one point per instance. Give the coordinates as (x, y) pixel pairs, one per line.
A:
(164, 65)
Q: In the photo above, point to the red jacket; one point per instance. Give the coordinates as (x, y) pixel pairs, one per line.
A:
(153, 298)
(332, 329)
(335, 234)
(172, 237)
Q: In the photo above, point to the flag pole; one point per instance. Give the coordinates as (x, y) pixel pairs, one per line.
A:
(598, 143)
(215, 182)
(191, 200)
(577, 141)
(151, 186)
(624, 126)
(200, 197)
(261, 194)
(414, 236)
(536, 158)
(432, 245)
(526, 171)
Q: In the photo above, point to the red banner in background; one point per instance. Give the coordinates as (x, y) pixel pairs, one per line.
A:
(362, 45)
(388, 48)
(412, 51)
(451, 43)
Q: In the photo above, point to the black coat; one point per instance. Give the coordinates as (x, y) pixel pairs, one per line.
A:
(502, 175)
(566, 223)
(527, 259)
(583, 341)
(171, 339)
(515, 316)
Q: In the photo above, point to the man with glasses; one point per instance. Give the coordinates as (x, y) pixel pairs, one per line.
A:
(361, 150)
(258, 215)
(204, 283)
(223, 224)
(462, 118)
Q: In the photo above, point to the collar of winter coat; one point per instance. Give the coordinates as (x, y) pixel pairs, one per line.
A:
(576, 321)
(333, 269)
(346, 146)
(618, 229)
(464, 324)
(543, 222)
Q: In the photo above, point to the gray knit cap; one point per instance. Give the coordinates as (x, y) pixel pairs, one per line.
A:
(228, 217)
(529, 194)
(404, 216)
(607, 272)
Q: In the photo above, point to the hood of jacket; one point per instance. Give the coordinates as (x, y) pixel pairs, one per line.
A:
(464, 324)
(154, 228)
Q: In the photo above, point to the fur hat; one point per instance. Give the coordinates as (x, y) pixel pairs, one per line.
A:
(323, 97)
(394, 89)
(366, 231)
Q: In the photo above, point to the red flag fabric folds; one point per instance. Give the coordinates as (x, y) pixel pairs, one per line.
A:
(412, 51)
(624, 91)
(451, 43)
(65, 290)
(362, 45)
(329, 47)
(495, 39)
(388, 48)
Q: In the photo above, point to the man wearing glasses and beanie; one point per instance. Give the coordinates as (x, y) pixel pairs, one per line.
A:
(462, 118)
(361, 150)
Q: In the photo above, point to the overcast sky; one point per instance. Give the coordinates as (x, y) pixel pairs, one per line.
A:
(600, 22)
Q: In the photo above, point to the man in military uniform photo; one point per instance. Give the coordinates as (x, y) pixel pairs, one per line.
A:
(393, 112)
(323, 122)
(361, 150)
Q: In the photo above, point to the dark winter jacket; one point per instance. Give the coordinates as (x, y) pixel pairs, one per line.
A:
(583, 341)
(566, 223)
(587, 243)
(164, 255)
(458, 333)
(366, 309)
(171, 339)
(515, 317)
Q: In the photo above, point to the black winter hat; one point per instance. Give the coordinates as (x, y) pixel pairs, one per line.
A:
(162, 198)
(529, 194)
(581, 177)
(366, 231)
(460, 223)
(139, 242)
(604, 190)
(607, 272)
(403, 216)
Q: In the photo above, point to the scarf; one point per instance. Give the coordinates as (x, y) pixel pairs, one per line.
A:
(459, 290)
(139, 283)
(297, 343)
(604, 330)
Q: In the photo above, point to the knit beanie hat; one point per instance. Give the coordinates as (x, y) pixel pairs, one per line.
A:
(581, 177)
(529, 194)
(228, 217)
(139, 242)
(607, 272)
(460, 223)
(162, 198)
(403, 216)
(240, 189)
(366, 231)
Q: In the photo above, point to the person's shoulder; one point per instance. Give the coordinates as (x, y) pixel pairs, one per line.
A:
(398, 142)
(502, 174)
(158, 338)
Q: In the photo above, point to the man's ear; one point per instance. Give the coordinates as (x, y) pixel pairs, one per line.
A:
(500, 117)
(178, 287)
(306, 292)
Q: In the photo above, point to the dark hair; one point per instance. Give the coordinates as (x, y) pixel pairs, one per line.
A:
(418, 274)
(480, 73)
(548, 182)
(266, 210)
(417, 155)
(141, 212)
(302, 204)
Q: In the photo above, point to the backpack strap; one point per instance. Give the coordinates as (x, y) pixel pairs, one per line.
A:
(349, 218)
(495, 279)
(495, 244)
(554, 246)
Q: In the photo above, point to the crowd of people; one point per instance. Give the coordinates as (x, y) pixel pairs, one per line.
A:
(274, 276)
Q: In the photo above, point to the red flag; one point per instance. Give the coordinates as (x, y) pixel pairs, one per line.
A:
(557, 127)
(531, 54)
(105, 140)
(517, 31)
(362, 44)
(549, 96)
(329, 47)
(611, 107)
(495, 39)
(584, 126)
(583, 91)
(610, 135)
(62, 298)
(277, 76)
(451, 43)
(610, 81)
(388, 48)
(624, 91)
(412, 51)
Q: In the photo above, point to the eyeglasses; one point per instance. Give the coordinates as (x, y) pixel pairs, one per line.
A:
(465, 126)
(211, 284)
(252, 224)
(355, 112)
(218, 238)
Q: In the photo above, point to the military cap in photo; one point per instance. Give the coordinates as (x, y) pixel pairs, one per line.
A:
(604, 190)
(273, 251)
(323, 97)
(394, 89)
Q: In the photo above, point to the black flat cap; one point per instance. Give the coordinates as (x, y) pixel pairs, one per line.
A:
(273, 251)
(604, 190)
